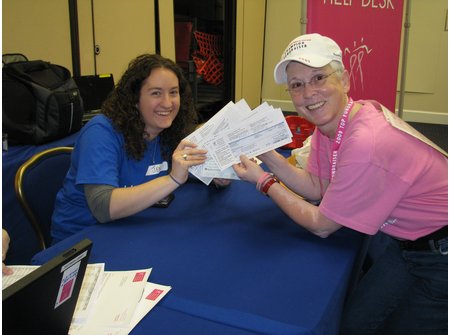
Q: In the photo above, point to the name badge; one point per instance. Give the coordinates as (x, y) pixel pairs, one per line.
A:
(157, 168)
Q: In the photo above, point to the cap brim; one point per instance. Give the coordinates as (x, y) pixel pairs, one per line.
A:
(280, 69)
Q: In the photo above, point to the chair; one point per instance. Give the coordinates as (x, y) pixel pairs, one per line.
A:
(37, 182)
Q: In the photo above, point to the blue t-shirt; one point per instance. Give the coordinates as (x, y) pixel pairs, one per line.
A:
(99, 157)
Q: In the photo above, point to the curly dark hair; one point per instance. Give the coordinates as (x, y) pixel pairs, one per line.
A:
(120, 107)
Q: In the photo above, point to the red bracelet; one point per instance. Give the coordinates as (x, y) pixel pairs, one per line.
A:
(268, 184)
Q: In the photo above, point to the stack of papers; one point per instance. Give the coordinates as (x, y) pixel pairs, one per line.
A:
(113, 302)
(238, 130)
(110, 302)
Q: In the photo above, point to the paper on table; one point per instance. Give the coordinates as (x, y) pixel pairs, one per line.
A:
(153, 293)
(90, 287)
(19, 271)
(118, 297)
(115, 303)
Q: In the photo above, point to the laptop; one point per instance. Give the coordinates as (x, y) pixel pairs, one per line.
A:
(43, 302)
(94, 89)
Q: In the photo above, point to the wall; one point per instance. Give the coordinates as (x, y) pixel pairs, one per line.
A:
(426, 97)
(282, 25)
(167, 28)
(426, 88)
(41, 30)
(123, 30)
(37, 29)
(249, 46)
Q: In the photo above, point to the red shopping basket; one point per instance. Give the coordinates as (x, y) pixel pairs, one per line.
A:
(301, 129)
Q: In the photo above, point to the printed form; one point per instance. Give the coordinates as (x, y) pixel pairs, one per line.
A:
(237, 130)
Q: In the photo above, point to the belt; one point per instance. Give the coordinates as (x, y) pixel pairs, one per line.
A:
(427, 242)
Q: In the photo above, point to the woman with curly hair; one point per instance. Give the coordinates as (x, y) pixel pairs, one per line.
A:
(121, 161)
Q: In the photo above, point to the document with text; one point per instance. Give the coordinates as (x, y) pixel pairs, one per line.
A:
(238, 130)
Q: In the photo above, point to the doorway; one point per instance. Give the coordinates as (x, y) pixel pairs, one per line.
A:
(205, 40)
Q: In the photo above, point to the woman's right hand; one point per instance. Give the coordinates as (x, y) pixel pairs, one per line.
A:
(186, 155)
(248, 169)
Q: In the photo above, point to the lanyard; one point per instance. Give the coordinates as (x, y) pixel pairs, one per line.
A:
(342, 125)
(338, 137)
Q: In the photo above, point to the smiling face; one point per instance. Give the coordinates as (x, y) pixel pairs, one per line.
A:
(159, 101)
(323, 103)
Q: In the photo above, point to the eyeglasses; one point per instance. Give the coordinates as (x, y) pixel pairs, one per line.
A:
(297, 87)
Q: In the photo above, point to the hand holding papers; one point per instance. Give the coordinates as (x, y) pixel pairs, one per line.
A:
(237, 130)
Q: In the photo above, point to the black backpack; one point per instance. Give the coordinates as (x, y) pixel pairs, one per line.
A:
(41, 102)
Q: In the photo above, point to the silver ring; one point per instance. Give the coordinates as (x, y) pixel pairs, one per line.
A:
(185, 157)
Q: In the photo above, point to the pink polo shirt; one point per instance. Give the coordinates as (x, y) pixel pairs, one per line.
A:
(385, 179)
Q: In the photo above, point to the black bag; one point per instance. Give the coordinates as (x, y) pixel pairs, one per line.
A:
(11, 58)
(41, 102)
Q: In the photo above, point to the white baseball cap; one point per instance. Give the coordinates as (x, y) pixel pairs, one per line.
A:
(313, 50)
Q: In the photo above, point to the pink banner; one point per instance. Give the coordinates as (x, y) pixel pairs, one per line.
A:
(369, 34)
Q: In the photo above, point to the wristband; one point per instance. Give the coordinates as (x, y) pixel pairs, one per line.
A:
(176, 181)
(268, 184)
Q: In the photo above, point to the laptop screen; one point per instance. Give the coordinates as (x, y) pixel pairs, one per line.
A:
(43, 302)
(94, 89)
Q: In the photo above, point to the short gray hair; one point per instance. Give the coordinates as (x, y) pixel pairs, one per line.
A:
(337, 66)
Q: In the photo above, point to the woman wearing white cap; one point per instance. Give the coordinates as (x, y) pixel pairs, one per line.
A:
(368, 176)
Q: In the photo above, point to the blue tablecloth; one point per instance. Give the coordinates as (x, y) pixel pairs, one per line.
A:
(236, 264)
(24, 243)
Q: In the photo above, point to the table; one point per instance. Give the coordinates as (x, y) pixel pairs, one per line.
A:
(236, 264)
(24, 243)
